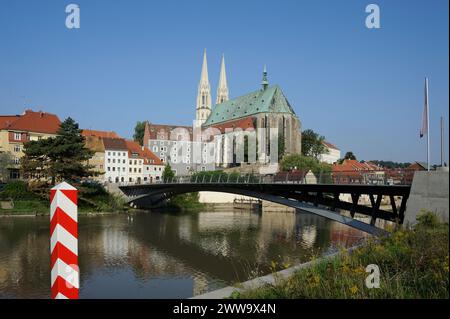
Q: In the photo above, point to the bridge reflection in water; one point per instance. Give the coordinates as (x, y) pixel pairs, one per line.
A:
(154, 255)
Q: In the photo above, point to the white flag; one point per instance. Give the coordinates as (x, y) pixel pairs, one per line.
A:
(424, 128)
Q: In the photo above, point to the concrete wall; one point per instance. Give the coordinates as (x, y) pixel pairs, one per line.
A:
(429, 191)
(218, 197)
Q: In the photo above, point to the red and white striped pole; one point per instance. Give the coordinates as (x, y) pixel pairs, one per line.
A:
(64, 242)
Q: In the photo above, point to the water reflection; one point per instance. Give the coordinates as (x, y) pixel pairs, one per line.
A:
(156, 255)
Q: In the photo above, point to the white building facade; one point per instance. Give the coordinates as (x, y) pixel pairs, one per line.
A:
(333, 154)
(116, 160)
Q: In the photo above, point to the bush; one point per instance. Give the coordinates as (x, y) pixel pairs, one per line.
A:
(17, 190)
(185, 202)
(427, 219)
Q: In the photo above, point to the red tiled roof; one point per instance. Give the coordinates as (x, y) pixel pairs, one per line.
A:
(354, 165)
(329, 145)
(134, 147)
(115, 144)
(151, 158)
(100, 133)
(152, 131)
(7, 120)
(39, 122)
(244, 124)
(143, 152)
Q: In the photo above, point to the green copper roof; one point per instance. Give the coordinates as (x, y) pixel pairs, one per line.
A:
(270, 100)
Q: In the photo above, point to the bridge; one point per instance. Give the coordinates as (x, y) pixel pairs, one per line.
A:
(321, 199)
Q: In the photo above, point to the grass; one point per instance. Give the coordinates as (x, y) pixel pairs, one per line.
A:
(27, 207)
(412, 263)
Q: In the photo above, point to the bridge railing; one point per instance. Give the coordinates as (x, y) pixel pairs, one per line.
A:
(373, 177)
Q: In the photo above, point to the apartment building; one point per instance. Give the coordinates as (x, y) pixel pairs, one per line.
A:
(15, 130)
(116, 160)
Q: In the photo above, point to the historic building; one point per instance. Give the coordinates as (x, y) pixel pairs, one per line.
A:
(176, 145)
(265, 114)
(271, 128)
(15, 130)
(118, 160)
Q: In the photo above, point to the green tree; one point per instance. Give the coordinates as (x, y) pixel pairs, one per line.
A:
(139, 130)
(6, 161)
(349, 156)
(63, 157)
(301, 162)
(297, 161)
(168, 174)
(312, 144)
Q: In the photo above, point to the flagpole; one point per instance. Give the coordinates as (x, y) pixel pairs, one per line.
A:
(428, 124)
(442, 141)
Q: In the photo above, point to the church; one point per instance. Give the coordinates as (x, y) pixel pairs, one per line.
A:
(261, 122)
(266, 112)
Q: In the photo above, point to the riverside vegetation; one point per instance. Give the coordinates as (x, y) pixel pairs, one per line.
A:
(33, 198)
(413, 263)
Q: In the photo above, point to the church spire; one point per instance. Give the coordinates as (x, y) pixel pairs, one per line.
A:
(265, 83)
(203, 109)
(222, 89)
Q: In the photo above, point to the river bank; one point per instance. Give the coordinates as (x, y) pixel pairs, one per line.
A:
(412, 263)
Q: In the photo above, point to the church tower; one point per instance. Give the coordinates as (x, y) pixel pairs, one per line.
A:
(203, 109)
(222, 89)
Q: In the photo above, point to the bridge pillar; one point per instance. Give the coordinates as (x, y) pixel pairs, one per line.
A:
(429, 191)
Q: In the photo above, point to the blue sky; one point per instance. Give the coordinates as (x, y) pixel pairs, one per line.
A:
(140, 60)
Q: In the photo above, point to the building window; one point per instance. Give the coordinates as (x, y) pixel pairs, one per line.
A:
(109, 160)
(114, 153)
(188, 168)
(203, 168)
(123, 161)
(155, 148)
(109, 169)
(16, 160)
(16, 148)
(123, 154)
(114, 160)
(139, 170)
(114, 168)
(39, 138)
(17, 136)
(109, 153)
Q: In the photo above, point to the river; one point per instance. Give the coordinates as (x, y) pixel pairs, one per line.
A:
(156, 255)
